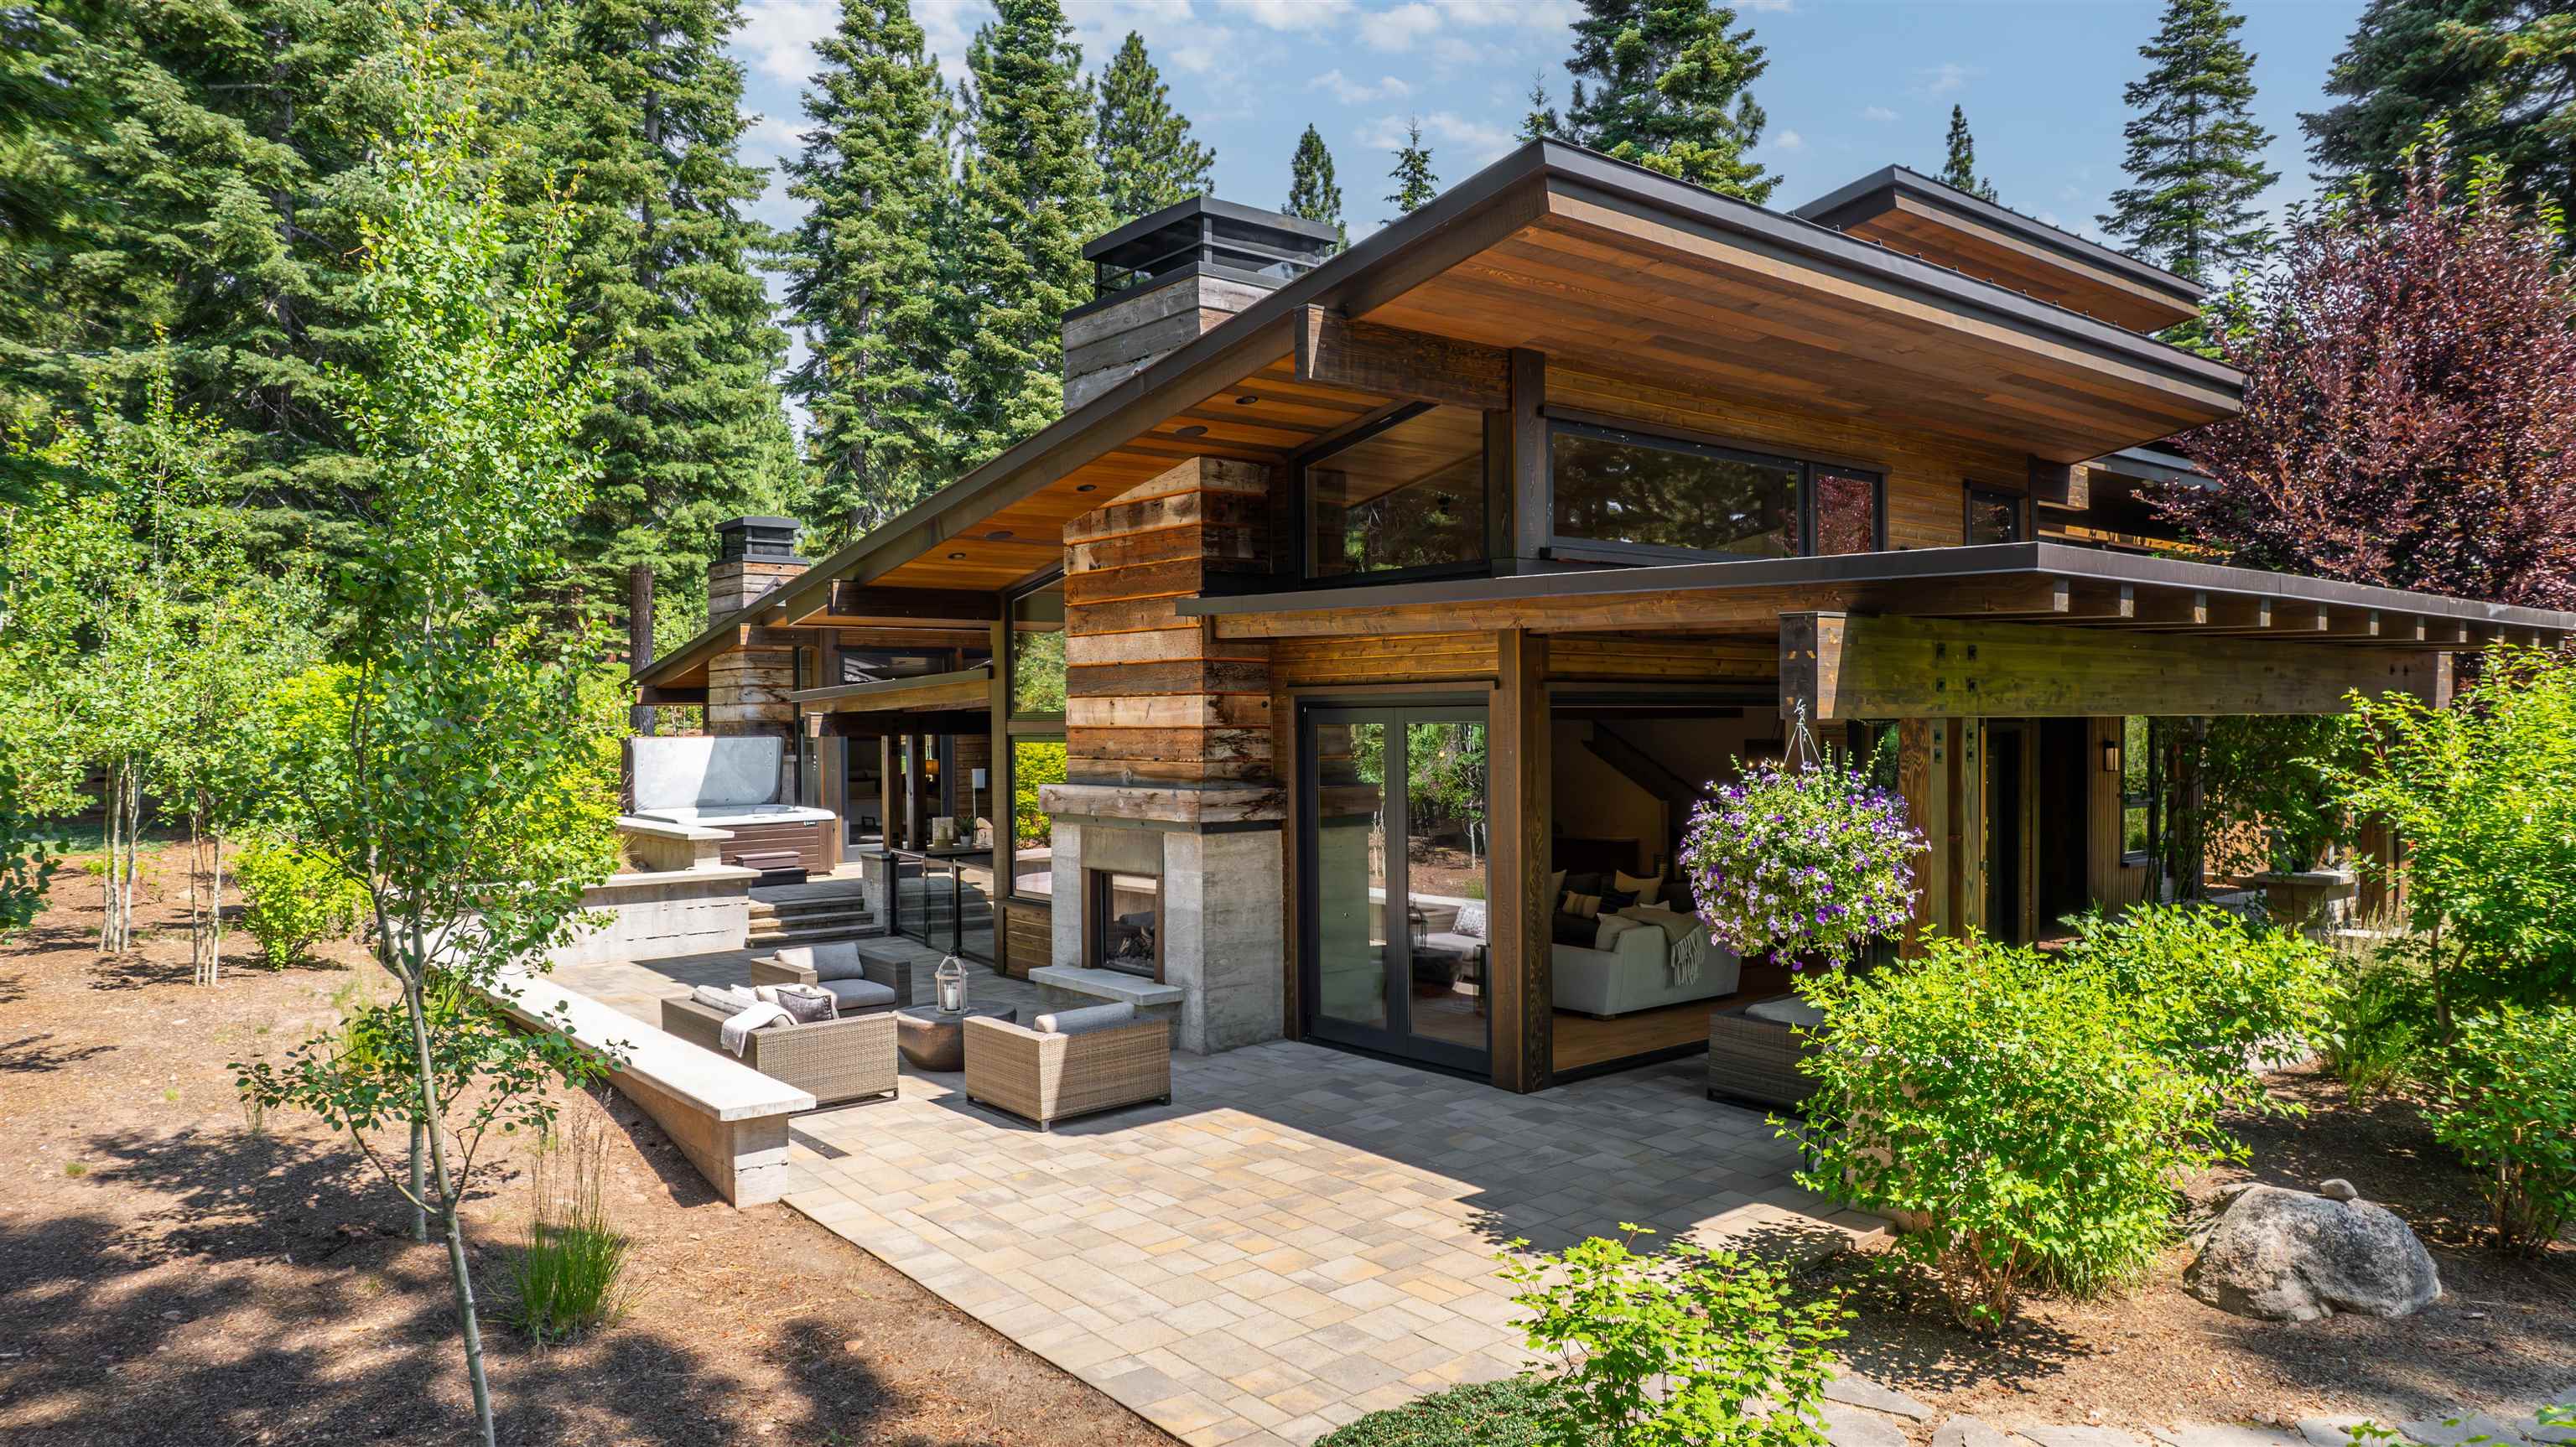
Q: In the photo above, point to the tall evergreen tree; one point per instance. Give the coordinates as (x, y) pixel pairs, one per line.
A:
(2195, 153)
(1031, 197)
(1542, 123)
(2500, 73)
(864, 271)
(1668, 84)
(1312, 192)
(229, 205)
(1959, 170)
(639, 111)
(1414, 181)
(1148, 159)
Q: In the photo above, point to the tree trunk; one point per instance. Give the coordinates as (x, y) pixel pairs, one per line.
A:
(460, 1273)
(419, 1183)
(639, 634)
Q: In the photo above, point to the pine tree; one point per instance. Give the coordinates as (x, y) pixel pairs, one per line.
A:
(2195, 153)
(228, 210)
(2500, 73)
(864, 271)
(1031, 197)
(1959, 172)
(1148, 159)
(639, 111)
(1312, 192)
(1414, 181)
(1542, 122)
(1668, 84)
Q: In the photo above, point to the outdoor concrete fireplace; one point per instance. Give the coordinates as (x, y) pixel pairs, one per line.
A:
(1182, 921)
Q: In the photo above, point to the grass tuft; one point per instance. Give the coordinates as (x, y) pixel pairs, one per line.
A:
(566, 1280)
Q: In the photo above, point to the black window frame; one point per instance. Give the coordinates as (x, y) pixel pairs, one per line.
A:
(1975, 492)
(2150, 798)
(1010, 661)
(1301, 566)
(1807, 468)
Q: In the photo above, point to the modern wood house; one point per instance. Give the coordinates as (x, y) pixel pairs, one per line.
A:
(1371, 618)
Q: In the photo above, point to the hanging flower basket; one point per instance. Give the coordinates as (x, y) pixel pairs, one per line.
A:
(1805, 861)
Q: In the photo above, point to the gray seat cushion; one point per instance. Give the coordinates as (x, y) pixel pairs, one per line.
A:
(1089, 1017)
(1787, 1010)
(853, 994)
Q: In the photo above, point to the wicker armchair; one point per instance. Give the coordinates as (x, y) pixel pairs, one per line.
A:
(803, 965)
(1757, 1061)
(1043, 1079)
(832, 1060)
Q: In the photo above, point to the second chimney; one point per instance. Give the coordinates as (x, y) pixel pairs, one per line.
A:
(1166, 278)
(753, 555)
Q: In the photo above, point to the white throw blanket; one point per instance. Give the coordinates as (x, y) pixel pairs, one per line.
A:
(736, 1032)
(1685, 940)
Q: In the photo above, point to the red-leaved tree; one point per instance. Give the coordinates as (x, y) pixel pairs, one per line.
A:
(2410, 400)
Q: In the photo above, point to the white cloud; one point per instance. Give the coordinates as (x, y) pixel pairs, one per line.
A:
(1398, 29)
(1947, 78)
(1459, 145)
(1355, 92)
(1775, 7)
(1289, 14)
(779, 35)
(1789, 141)
(1880, 114)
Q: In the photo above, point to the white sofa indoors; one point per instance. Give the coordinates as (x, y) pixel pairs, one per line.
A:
(1631, 975)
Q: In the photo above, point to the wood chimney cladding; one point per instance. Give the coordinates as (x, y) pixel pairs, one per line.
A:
(1153, 698)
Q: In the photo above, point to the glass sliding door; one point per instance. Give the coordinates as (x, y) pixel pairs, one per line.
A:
(1393, 847)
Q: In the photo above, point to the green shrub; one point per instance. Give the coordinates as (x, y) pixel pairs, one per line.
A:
(2224, 998)
(566, 1278)
(2383, 1019)
(1521, 1412)
(2505, 1099)
(2018, 1112)
(1687, 1348)
(294, 901)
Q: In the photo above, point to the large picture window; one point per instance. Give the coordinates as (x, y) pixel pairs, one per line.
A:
(1035, 763)
(1403, 496)
(1634, 491)
(1037, 653)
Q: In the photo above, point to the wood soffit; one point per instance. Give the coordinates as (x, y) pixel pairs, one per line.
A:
(1618, 270)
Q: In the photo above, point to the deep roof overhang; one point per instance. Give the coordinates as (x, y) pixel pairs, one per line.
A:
(1506, 198)
(2035, 581)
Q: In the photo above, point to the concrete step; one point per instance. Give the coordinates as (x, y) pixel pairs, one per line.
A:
(770, 937)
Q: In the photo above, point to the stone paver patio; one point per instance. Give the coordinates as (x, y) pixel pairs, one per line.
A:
(1301, 1237)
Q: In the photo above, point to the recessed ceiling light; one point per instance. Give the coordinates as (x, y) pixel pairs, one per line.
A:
(1086, 487)
(1190, 431)
(998, 535)
(1246, 400)
(956, 557)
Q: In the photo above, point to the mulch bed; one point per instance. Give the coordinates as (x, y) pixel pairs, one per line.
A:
(2503, 1334)
(169, 1275)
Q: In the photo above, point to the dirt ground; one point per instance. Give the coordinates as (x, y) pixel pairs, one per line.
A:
(169, 1276)
(2503, 1334)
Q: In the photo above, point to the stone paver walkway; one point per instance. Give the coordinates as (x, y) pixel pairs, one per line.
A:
(1862, 1413)
(1301, 1237)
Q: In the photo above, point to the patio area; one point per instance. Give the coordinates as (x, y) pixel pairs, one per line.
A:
(1301, 1237)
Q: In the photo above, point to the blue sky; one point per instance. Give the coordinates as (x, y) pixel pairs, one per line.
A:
(1853, 84)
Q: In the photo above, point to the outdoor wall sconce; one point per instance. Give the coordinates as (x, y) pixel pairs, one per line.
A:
(2110, 756)
(952, 986)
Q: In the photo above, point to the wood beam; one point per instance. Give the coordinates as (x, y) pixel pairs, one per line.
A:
(848, 604)
(650, 694)
(1520, 976)
(1680, 610)
(1855, 666)
(892, 724)
(1527, 480)
(1334, 351)
(2067, 485)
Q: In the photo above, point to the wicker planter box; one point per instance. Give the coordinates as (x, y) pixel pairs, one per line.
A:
(1756, 1061)
(847, 1059)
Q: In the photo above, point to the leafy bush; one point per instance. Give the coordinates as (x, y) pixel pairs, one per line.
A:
(2382, 1019)
(2226, 999)
(1688, 1348)
(1812, 861)
(565, 1280)
(2020, 1111)
(294, 900)
(2505, 1099)
(1521, 1412)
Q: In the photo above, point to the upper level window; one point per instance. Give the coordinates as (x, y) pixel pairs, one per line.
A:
(1994, 516)
(1405, 494)
(1037, 653)
(1638, 491)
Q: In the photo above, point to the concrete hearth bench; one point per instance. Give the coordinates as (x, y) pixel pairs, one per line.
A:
(1070, 987)
(727, 1118)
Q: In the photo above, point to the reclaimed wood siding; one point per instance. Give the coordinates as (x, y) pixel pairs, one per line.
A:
(1152, 697)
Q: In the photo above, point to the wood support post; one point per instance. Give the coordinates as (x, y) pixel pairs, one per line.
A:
(1519, 777)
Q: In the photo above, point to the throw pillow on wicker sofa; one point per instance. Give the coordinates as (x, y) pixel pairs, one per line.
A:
(804, 1004)
(1086, 1019)
(731, 999)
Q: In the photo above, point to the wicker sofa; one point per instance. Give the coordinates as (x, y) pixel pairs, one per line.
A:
(834, 1061)
(1044, 1077)
(843, 968)
(1757, 1060)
